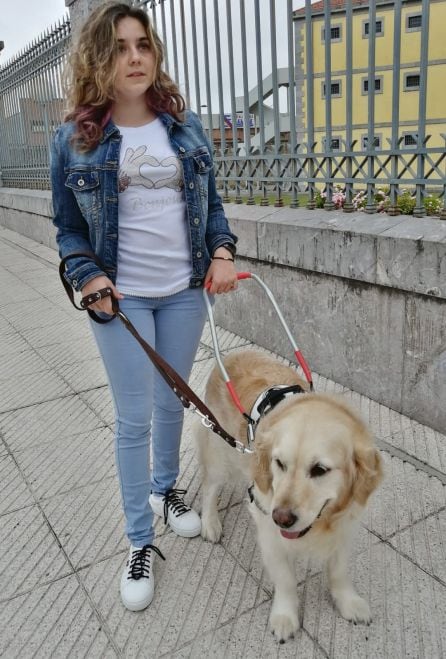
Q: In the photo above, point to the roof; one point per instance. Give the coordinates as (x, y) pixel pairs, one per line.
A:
(318, 7)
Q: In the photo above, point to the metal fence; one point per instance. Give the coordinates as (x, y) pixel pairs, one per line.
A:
(248, 68)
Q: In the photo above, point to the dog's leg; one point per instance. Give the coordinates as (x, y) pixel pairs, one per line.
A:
(213, 479)
(350, 605)
(283, 619)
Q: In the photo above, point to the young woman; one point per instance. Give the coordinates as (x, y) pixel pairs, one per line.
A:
(133, 182)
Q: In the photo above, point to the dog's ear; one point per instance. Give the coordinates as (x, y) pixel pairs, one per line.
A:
(261, 465)
(368, 472)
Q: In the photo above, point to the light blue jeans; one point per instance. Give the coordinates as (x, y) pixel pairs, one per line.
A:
(144, 404)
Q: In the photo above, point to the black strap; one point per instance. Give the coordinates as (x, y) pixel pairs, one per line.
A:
(275, 395)
(180, 388)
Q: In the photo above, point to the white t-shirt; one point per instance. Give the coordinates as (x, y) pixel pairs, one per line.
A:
(154, 256)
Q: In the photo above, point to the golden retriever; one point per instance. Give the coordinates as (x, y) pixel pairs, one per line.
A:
(313, 469)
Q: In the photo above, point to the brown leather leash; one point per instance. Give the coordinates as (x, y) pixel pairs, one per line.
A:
(181, 389)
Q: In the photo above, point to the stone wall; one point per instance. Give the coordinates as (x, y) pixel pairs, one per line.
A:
(364, 295)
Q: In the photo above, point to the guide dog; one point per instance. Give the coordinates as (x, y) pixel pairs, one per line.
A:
(313, 469)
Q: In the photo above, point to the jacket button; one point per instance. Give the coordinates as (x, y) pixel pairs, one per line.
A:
(182, 149)
(80, 182)
(191, 186)
(199, 255)
(196, 220)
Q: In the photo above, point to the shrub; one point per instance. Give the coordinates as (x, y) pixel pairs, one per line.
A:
(432, 205)
(406, 202)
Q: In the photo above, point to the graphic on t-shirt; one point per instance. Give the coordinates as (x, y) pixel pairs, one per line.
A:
(140, 168)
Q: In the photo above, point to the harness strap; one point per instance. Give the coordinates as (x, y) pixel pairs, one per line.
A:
(180, 388)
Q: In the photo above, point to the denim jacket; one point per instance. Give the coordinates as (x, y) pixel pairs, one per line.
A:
(85, 199)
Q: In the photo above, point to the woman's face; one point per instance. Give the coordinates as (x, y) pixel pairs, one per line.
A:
(135, 65)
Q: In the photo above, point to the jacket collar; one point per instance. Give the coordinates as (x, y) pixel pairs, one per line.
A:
(165, 117)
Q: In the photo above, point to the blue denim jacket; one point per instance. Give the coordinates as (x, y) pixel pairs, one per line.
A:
(85, 199)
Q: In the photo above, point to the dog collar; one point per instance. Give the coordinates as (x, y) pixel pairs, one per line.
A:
(269, 398)
(253, 499)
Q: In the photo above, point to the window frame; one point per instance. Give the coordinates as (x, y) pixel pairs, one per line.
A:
(367, 22)
(405, 134)
(333, 137)
(414, 29)
(378, 136)
(335, 25)
(333, 82)
(406, 88)
(377, 91)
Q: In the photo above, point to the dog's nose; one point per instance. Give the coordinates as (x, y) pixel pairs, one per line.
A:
(284, 517)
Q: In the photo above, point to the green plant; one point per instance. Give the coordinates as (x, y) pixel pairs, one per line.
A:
(319, 199)
(432, 205)
(406, 203)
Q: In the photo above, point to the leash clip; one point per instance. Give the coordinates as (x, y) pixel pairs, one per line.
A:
(206, 422)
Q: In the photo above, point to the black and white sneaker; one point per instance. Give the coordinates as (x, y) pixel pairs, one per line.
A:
(137, 581)
(181, 518)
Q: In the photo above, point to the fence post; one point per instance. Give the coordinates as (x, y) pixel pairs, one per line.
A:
(79, 10)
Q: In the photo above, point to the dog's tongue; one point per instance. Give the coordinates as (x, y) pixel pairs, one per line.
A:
(291, 535)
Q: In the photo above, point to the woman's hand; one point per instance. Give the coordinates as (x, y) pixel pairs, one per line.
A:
(221, 276)
(104, 305)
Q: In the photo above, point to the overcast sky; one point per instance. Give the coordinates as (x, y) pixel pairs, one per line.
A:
(21, 21)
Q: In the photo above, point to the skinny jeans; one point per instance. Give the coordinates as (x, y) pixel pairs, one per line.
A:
(146, 409)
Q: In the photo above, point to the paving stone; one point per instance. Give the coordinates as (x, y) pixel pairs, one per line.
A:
(100, 401)
(59, 356)
(199, 588)
(425, 544)
(52, 621)
(29, 554)
(226, 340)
(14, 492)
(425, 444)
(88, 521)
(85, 375)
(57, 333)
(32, 388)
(405, 496)
(47, 422)
(32, 314)
(12, 344)
(22, 363)
(68, 463)
(408, 608)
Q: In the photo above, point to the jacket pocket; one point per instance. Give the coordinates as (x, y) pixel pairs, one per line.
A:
(85, 187)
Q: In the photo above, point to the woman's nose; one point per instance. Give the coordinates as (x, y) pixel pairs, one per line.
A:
(134, 54)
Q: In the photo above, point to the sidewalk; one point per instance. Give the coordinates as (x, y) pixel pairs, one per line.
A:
(62, 546)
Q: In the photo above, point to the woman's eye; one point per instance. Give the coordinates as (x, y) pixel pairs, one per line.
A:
(121, 49)
(280, 464)
(318, 470)
(144, 46)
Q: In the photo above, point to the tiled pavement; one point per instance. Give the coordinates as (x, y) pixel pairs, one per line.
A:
(62, 546)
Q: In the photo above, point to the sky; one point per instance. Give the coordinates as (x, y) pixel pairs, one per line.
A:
(21, 21)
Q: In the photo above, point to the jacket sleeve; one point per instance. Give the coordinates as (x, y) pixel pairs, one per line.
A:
(72, 230)
(217, 227)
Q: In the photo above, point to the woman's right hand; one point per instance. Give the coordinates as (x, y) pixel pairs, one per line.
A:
(104, 305)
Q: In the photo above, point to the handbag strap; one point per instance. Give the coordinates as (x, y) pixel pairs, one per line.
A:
(179, 386)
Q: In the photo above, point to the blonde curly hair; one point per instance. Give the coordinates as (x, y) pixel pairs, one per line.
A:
(90, 75)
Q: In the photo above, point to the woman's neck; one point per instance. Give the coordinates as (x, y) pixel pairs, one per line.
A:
(131, 113)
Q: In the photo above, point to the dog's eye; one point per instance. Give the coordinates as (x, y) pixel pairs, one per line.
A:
(280, 464)
(318, 470)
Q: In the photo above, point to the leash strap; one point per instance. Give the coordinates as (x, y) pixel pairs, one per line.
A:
(180, 388)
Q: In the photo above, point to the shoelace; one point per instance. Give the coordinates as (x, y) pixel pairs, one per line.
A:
(139, 566)
(173, 499)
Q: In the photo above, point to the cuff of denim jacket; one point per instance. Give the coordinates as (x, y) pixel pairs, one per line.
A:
(78, 277)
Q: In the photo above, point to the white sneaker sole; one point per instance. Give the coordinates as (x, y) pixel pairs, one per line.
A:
(183, 533)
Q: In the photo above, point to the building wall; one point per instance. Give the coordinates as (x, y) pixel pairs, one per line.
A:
(410, 58)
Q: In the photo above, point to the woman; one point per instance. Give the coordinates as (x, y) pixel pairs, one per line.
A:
(133, 182)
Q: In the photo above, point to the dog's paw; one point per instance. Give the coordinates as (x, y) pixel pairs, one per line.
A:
(283, 625)
(353, 607)
(211, 529)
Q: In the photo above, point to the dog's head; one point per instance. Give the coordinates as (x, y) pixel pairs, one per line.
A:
(315, 458)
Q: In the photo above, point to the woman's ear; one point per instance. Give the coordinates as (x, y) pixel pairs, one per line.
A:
(368, 473)
(261, 465)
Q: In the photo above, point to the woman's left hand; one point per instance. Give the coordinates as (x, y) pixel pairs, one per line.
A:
(221, 277)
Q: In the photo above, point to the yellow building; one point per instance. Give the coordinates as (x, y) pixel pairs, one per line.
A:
(409, 72)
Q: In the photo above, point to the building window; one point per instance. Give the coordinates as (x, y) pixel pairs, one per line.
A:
(335, 143)
(336, 90)
(411, 82)
(409, 140)
(335, 33)
(414, 22)
(377, 140)
(378, 85)
(379, 28)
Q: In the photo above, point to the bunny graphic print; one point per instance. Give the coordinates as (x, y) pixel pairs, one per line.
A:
(154, 242)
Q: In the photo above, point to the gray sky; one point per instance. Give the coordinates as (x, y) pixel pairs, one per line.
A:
(21, 21)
